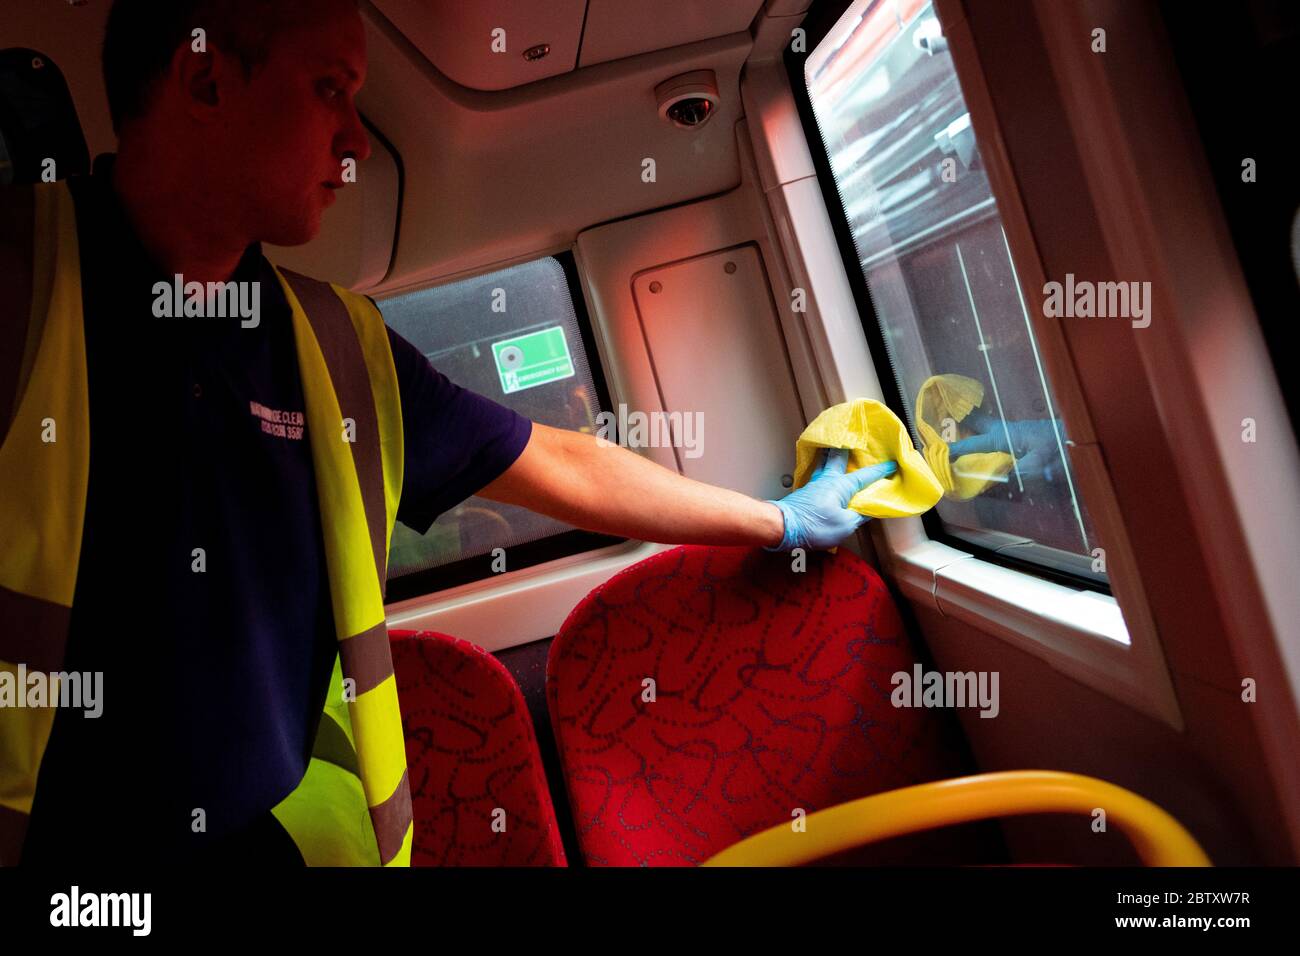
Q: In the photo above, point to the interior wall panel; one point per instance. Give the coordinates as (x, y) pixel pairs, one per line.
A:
(1047, 721)
(719, 361)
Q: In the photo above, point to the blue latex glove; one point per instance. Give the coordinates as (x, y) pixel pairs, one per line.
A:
(817, 516)
(1033, 443)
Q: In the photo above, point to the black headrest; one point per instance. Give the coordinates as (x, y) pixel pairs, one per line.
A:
(38, 121)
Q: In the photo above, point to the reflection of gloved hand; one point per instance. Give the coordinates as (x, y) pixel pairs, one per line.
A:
(1034, 443)
(817, 516)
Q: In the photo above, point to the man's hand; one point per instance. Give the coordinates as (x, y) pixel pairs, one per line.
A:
(1034, 443)
(817, 515)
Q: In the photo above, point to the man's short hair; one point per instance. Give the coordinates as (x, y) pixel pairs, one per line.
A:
(142, 36)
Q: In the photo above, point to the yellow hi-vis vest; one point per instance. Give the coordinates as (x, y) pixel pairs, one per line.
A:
(353, 805)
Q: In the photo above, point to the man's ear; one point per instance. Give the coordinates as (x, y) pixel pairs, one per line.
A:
(201, 78)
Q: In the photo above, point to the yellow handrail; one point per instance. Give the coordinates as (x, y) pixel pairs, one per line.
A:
(1158, 838)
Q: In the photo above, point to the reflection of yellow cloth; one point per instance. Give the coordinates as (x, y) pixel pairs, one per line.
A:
(953, 397)
(873, 434)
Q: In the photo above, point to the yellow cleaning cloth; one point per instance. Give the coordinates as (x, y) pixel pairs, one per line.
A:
(953, 397)
(873, 434)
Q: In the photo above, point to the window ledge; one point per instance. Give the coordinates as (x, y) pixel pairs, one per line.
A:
(518, 607)
(1078, 632)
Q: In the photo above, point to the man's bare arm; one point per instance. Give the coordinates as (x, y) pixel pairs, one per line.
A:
(604, 487)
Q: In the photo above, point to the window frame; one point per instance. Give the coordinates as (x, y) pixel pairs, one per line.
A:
(821, 18)
(1109, 643)
(471, 570)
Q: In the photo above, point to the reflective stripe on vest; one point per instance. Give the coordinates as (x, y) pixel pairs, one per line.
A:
(42, 496)
(358, 479)
(347, 372)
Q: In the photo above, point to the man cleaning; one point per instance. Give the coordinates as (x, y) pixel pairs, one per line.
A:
(198, 508)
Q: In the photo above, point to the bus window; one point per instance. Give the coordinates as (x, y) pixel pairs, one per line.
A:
(929, 241)
(513, 336)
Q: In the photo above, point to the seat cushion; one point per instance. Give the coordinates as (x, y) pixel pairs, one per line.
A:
(478, 791)
(771, 696)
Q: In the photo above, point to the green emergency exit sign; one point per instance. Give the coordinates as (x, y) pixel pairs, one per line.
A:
(533, 359)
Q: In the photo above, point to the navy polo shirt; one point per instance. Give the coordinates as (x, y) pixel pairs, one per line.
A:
(202, 593)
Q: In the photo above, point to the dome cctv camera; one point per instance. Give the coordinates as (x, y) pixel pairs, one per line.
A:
(687, 101)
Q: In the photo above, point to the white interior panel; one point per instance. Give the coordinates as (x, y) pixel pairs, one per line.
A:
(458, 37)
(720, 361)
(780, 147)
(619, 28)
(786, 8)
(518, 607)
(494, 178)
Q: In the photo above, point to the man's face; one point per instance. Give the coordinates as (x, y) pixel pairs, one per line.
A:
(293, 125)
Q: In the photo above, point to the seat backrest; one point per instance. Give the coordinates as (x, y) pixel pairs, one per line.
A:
(479, 794)
(707, 693)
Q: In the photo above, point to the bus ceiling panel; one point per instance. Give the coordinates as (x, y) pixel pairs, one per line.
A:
(786, 8)
(492, 45)
(493, 178)
(501, 44)
(621, 28)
